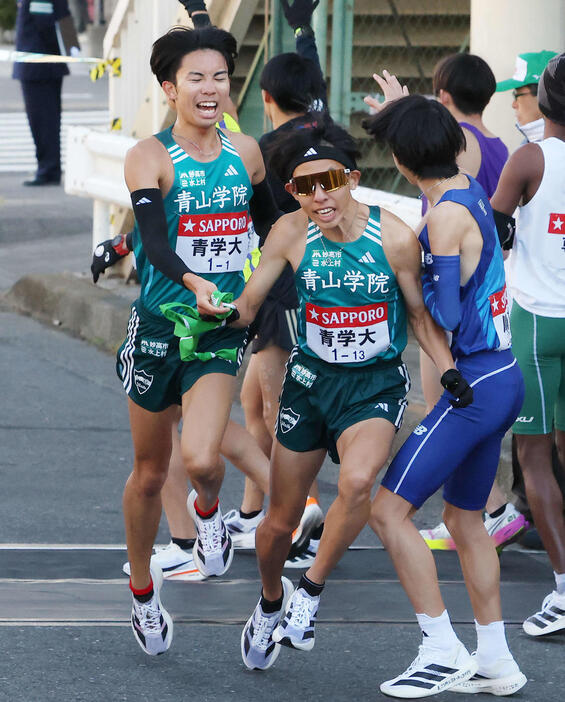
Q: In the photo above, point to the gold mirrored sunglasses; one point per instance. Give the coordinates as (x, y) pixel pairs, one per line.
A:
(328, 180)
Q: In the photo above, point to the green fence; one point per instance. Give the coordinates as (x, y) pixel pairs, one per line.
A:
(408, 38)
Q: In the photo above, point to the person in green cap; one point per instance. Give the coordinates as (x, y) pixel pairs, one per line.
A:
(524, 86)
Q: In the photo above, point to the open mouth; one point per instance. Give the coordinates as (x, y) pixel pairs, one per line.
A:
(207, 107)
(326, 213)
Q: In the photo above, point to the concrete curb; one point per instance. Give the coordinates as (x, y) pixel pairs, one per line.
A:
(73, 304)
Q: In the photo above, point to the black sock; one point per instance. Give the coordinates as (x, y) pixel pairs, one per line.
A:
(249, 515)
(146, 597)
(313, 589)
(497, 512)
(317, 532)
(185, 544)
(268, 606)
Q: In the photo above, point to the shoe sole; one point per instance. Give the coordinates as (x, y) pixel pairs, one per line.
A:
(286, 641)
(441, 544)
(166, 616)
(533, 630)
(276, 653)
(306, 563)
(447, 684)
(180, 572)
(183, 574)
(497, 686)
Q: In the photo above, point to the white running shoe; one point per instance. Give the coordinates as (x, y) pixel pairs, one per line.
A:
(501, 677)
(151, 624)
(213, 550)
(506, 528)
(242, 531)
(175, 563)
(305, 557)
(432, 671)
(550, 618)
(438, 538)
(296, 630)
(311, 518)
(258, 649)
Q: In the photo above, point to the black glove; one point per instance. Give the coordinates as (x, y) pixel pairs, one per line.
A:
(106, 254)
(455, 383)
(299, 14)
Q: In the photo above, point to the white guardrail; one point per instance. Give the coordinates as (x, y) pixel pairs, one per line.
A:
(95, 169)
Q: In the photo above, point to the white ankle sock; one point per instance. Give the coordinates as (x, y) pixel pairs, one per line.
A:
(437, 631)
(491, 643)
(560, 582)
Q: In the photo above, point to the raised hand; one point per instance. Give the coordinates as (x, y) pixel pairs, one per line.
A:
(392, 90)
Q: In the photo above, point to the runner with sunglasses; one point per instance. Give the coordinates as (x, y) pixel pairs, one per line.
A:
(357, 273)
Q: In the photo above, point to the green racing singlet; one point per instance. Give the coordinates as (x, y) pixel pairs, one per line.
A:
(208, 222)
(352, 311)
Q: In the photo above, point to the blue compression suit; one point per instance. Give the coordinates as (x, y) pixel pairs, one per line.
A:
(459, 448)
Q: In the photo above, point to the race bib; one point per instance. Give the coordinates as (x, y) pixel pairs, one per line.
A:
(501, 318)
(347, 334)
(214, 243)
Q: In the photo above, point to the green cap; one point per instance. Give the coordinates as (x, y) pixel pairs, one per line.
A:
(529, 68)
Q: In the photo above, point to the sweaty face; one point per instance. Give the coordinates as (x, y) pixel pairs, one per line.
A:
(202, 87)
(525, 106)
(324, 208)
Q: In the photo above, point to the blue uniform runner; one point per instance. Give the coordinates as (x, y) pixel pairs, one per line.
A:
(460, 448)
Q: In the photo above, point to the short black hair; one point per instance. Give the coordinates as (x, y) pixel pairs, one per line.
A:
(468, 79)
(421, 133)
(170, 49)
(292, 80)
(285, 148)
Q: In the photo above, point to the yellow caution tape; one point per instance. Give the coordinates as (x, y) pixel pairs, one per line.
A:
(114, 65)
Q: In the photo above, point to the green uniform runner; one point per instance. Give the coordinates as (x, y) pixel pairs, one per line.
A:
(351, 332)
(210, 228)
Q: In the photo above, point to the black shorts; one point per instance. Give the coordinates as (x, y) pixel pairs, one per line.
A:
(275, 325)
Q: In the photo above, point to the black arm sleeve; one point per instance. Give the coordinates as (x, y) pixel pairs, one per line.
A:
(197, 13)
(149, 211)
(505, 228)
(306, 47)
(263, 209)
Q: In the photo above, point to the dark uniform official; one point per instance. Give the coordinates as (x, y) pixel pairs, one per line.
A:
(42, 83)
